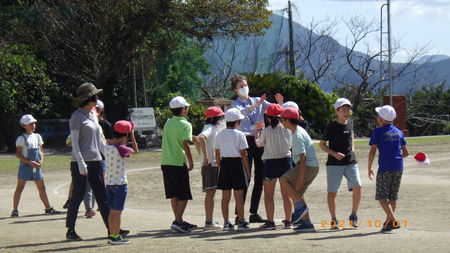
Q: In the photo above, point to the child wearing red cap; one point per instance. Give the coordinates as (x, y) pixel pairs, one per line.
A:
(391, 144)
(116, 178)
(210, 170)
(296, 181)
(276, 141)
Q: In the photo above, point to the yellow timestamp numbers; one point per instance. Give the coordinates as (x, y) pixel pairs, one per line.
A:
(368, 223)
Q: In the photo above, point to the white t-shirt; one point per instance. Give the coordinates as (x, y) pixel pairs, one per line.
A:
(230, 142)
(34, 141)
(276, 141)
(210, 132)
(115, 165)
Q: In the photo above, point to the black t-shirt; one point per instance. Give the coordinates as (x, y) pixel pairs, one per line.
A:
(107, 129)
(339, 139)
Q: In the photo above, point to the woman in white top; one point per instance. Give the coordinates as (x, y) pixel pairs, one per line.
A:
(276, 141)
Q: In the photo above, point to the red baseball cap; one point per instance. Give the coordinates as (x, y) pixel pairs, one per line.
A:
(214, 111)
(274, 110)
(290, 113)
(123, 126)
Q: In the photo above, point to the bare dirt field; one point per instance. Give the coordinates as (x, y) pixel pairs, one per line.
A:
(423, 211)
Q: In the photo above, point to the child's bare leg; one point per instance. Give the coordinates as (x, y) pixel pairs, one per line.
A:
(19, 188)
(181, 206)
(226, 196)
(393, 204)
(42, 193)
(269, 190)
(174, 205)
(287, 203)
(114, 221)
(387, 209)
(331, 199)
(356, 198)
(209, 204)
(239, 198)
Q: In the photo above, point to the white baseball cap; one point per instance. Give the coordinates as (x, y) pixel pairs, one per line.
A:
(386, 112)
(178, 102)
(233, 114)
(27, 119)
(100, 104)
(340, 102)
(290, 104)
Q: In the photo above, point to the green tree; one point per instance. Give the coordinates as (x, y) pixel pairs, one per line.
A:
(24, 88)
(315, 104)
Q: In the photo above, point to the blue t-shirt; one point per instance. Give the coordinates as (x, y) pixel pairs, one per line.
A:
(302, 144)
(390, 141)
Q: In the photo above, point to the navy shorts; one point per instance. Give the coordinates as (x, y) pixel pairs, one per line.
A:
(176, 182)
(232, 174)
(116, 195)
(275, 168)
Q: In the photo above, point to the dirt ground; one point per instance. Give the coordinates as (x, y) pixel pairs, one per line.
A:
(423, 210)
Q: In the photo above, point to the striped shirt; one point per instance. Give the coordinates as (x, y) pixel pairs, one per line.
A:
(276, 141)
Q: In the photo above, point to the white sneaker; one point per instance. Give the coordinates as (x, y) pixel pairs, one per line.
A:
(212, 226)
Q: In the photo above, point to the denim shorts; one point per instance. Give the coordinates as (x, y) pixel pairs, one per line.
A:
(116, 194)
(28, 173)
(335, 173)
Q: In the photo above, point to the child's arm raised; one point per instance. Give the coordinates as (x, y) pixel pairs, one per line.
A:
(134, 144)
(372, 152)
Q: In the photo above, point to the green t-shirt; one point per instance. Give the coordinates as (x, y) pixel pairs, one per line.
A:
(176, 130)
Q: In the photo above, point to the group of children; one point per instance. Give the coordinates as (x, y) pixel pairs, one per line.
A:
(289, 157)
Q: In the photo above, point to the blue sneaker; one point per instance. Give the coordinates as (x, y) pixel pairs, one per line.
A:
(354, 221)
(304, 228)
(298, 214)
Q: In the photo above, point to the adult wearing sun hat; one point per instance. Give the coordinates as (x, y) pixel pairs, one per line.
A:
(86, 158)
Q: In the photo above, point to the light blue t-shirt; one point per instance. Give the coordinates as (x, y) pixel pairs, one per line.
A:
(302, 143)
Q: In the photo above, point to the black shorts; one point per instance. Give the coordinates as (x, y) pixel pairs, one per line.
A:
(176, 182)
(275, 168)
(232, 174)
(209, 177)
(388, 184)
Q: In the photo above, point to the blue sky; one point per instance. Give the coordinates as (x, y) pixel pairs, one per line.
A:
(415, 23)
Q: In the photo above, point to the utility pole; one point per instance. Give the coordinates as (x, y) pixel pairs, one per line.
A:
(143, 82)
(291, 41)
(134, 84)
(389, 51)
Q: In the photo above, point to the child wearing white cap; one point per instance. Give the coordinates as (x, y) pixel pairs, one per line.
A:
(337, 141)
(234, 170)
(175, 150)
(391, 144)
(31, 155)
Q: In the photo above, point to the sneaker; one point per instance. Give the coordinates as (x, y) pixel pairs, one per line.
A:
(288, 224)
(227, 226)
(303, 228)
(256, 218)
(299, 213)
(14, 214)
(387, 226)
(334, 224)
(179, 227)
(242, 226)
(90, 213)
(395, 224)
(354, 221)
(213, 225)
(123, 232)
(50, 210)
(269, 225)
(72, 235)
(189, 226)
(66, 205)
(117, 241)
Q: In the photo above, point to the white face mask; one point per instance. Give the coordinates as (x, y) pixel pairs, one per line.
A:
(244, 91)
(220, 125)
